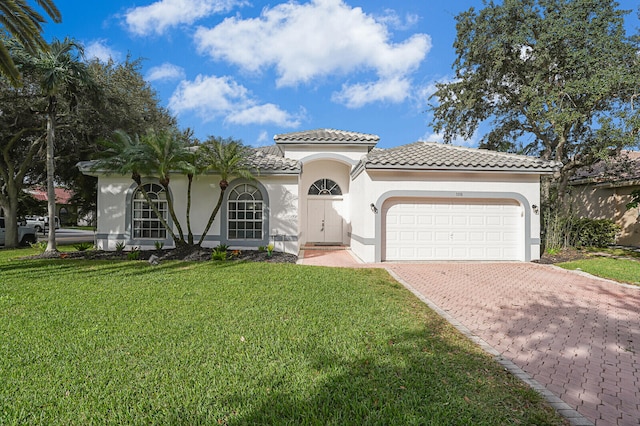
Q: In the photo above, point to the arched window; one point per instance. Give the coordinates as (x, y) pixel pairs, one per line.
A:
(145, 222)
(244, 212)
(325, 187)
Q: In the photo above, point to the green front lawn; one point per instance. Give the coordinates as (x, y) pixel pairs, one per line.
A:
(623, 270)
(95, 342)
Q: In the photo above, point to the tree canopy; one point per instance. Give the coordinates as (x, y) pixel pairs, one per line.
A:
(555, 78)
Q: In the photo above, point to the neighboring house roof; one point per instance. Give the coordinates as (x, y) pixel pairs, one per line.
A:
(438, 156)
(327, 136)
(63, 195)
(621, 170)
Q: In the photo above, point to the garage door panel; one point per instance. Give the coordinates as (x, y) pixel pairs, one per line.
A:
(442, 220)
(425, 236)
(459, 220)
(453, 230)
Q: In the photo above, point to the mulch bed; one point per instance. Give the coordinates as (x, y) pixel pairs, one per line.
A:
(184, 253)
(563, 256)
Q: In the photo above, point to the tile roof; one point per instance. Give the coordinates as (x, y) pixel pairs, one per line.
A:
(327, 136)
(63, 195)
(438, 156)
(269, 159)
(623, 168)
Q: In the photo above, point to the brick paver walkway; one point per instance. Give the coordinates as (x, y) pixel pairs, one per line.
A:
(576, 335)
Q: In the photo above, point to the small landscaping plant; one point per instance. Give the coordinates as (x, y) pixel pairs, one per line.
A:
(134, 254)
(83, 246)
(219, 252)
(41, 246)
(262, 249)
(269, 250)
(120, 245)
(158, 245)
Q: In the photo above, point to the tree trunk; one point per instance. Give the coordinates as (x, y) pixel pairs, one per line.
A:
(189, 231)
(10, 219)
(51, 191)
(212, 217)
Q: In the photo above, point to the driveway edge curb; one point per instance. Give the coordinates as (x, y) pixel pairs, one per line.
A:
(572, 416)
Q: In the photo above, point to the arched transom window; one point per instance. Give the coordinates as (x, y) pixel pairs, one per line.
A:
(245, 213)
(145, 221)
(325, 187)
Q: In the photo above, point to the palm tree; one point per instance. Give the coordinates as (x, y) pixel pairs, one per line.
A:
(61, 73)
(23, 23)
(160, 154)
(157, 154)
(227, 158)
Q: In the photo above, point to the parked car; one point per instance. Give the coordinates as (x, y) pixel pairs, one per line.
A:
(41, 223)
(26, 233)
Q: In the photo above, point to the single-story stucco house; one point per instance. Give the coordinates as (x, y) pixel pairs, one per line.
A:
(603, 190)
(421, 201)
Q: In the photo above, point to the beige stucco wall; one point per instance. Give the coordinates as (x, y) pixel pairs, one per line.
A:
(608, 203)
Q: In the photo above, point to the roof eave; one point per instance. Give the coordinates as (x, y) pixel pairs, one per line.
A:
(460, 169)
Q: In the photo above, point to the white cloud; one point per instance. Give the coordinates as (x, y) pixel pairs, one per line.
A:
(213, 97)
(263, 137)
(357, 95)
(439, 137)
(98, 49)
(263, 114)
(392, 19)
(163, 14)
(313, 40)
(165, 72)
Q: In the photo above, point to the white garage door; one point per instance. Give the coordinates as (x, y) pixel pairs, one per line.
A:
(451, 229)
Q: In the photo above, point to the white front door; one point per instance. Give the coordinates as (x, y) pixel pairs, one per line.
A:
(324, 222)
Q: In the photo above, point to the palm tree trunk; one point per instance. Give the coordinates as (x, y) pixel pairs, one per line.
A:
(189, 232)
(51, 191)
(172, 213)
(212, 217)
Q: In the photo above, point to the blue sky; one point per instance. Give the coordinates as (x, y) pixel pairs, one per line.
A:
(254, 69)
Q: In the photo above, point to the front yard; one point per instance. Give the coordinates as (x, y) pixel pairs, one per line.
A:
(86, 341)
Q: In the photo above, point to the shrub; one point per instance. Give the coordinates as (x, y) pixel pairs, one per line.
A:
(83, 246)
(41, 246)
(120, 245)
(222, 247)
(218, 254)
(261, 248)
(594, 232)
(134, 254)
(562, 232)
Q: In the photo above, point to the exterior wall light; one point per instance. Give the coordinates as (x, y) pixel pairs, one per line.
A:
(374, 209)
(535, 209)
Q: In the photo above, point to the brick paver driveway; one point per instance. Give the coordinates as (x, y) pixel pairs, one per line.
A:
(578, 336)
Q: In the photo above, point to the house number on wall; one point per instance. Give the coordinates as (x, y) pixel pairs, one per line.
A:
(459, 194)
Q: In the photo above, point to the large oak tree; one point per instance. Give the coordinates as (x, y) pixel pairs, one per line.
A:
(554, 78)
